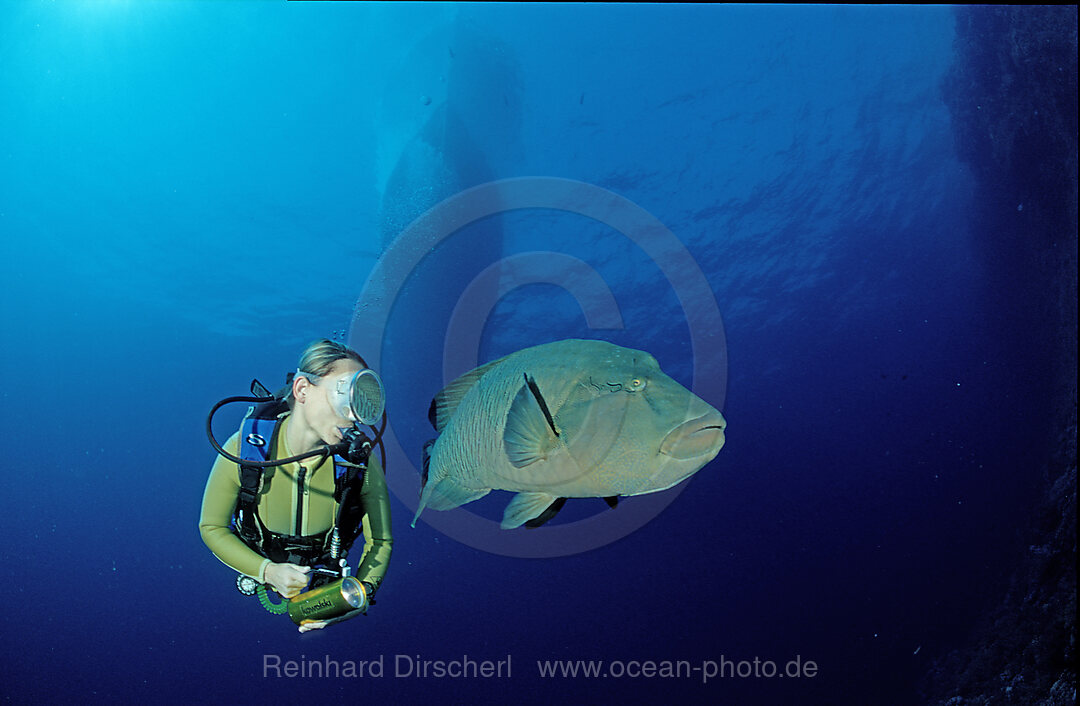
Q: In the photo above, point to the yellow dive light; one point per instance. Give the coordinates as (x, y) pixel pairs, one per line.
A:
(328, 602)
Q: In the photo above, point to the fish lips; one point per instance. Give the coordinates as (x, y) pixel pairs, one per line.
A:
(702, 436)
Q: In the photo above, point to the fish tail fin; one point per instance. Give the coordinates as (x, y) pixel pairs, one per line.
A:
(425, 494)
(426, 461)
(440, 491)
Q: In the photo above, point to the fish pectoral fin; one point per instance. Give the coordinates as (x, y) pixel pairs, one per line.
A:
(530, 431)
(531, 509)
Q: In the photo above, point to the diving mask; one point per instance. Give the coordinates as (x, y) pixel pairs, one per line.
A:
(358, 397)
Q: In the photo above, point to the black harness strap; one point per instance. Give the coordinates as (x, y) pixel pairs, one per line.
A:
(258, 440)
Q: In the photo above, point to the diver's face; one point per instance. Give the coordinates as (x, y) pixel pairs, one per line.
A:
(320, 409)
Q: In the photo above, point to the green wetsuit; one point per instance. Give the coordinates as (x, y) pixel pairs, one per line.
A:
(288, 509)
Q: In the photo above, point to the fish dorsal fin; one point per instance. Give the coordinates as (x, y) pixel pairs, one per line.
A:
(529, 507)
(446, 402)
(530, 431)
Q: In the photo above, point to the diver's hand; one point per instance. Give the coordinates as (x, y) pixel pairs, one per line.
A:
(287, 579)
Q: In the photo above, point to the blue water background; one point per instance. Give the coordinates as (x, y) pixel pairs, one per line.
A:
(190, 192)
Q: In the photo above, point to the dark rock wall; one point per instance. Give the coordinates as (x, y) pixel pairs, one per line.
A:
(1013, 97)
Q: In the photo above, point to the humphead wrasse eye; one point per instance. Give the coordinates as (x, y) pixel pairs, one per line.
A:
(636, 384)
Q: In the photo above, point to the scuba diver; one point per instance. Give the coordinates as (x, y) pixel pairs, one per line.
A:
(292, 490)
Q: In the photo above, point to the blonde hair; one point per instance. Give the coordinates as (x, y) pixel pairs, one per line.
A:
(321, 354)
(319, 357)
